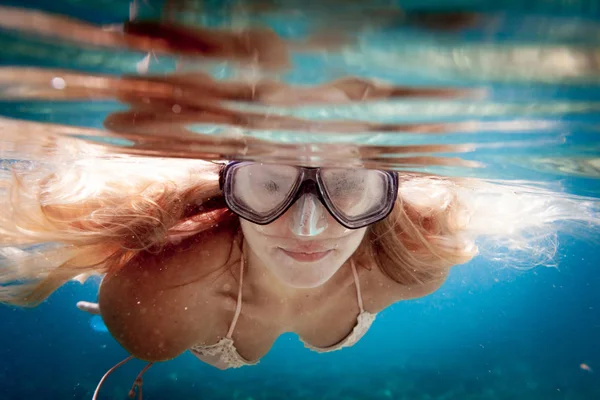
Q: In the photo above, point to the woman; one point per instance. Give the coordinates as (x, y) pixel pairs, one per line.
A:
(221, 260)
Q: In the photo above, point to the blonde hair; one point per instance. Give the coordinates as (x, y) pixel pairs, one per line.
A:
(92, 214)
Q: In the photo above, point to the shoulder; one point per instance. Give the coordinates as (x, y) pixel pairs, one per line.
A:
(383, 291)
(156, 305)
(400, 292)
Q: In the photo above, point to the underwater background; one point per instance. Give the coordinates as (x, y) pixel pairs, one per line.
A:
(493, 331)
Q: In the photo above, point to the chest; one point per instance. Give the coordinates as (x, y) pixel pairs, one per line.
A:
(320, 317)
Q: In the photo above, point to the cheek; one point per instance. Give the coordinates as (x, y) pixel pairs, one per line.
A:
(277, 228)
(350, 242)
(255, 235)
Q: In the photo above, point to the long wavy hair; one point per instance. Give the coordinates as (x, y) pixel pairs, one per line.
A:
(94, 213)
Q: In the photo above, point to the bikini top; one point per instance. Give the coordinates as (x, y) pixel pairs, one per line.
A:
(224, 354)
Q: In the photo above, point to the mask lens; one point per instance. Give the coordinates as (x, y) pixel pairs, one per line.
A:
(356, 193)
(263, 188)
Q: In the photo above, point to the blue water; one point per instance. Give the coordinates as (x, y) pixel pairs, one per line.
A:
(488, 333)
(491, 332)
(97, 324)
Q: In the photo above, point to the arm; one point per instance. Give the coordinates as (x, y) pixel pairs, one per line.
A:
(92, 308)
(421, 240)
(157, 307)
(415, 291)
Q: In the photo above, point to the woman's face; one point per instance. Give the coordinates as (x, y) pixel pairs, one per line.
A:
(305, 246)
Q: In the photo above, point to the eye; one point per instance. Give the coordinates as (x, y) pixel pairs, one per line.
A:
(347, 186)
(271, 186)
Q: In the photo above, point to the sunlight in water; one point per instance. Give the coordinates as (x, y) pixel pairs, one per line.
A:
(449, 93)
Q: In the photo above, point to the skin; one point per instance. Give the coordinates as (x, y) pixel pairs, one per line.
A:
(158, 306)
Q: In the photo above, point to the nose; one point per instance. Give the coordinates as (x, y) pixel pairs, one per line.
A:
(309, 216)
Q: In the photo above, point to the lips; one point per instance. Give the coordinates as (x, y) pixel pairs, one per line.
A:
(306, 255)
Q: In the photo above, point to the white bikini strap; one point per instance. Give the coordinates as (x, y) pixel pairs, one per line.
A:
(358, 294)
(238, 307)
